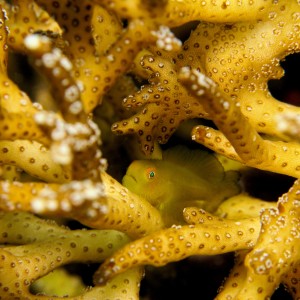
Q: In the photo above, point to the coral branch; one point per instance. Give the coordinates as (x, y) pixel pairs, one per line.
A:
(243, 206)
(268, 262)
(17, 125)
(175, 13)
(214, 236)
(34, 158)
(166, 104)
(235, 279)
(53, 246)
(98, 205)
(252, 149)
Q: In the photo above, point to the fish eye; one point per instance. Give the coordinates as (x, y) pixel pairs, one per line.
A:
(150, 173)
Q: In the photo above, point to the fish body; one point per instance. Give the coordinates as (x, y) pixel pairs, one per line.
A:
(180, 179)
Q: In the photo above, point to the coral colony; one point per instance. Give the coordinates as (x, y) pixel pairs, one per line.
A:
(127, 65)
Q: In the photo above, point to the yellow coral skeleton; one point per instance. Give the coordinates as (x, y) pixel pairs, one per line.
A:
(93, 52)
(50, 247)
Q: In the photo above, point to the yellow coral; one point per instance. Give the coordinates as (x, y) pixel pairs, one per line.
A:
(213, 236)
(276, 156)
(94, 53)
(53, 246)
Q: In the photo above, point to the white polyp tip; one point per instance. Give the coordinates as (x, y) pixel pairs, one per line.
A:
(66, 64)
(40, 117)
(32, 41)
(61, 153)
(185, 71)
(38, 205)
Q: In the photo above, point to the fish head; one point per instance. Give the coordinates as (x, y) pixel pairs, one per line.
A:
(143, 177)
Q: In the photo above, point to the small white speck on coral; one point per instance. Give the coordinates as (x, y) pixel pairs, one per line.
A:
(71, 93)
(38, 205)
(33, 41)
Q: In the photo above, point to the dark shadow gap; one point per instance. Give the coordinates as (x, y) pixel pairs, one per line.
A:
(287, 88)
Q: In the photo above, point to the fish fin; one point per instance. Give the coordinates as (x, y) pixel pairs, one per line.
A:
(229, 187)
(200, 162)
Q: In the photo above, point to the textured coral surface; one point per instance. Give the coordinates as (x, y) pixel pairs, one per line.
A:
(94, 197)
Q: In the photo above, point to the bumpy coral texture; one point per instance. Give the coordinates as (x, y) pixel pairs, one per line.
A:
(126, 65)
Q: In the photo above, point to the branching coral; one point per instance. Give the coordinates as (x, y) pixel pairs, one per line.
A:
(98, 205)
(167, 105)
(100, 55)
(213, 236)
(174, 13)
(276, 253)
(249, 145)
(50, 247)
(230, 55)
(265, 266)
